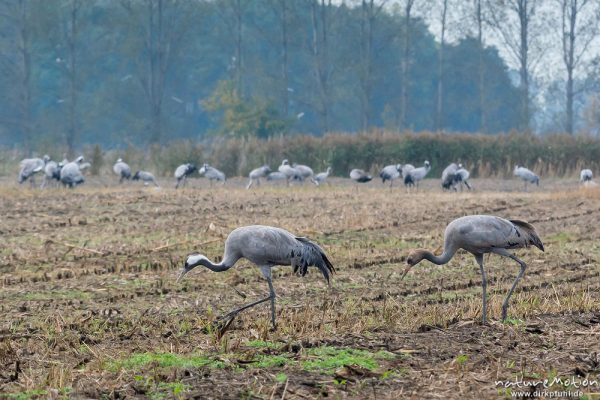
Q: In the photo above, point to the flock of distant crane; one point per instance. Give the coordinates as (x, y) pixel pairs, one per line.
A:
(454, 176)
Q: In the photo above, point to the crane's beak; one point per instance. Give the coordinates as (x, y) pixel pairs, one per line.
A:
(406, 271)
(184, 271)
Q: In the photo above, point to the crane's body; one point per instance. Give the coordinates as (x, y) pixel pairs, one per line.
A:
(146, 177)
(360, 176)
(586, 175)
(481, 234)
(256, 174)
(182, 172)
(265, 246)
(454, 175)
(526, 175)
(51, 172)
(70, 173)
(31, 166)
(390, 173)
(415, 175)
(304, 171)
(321, 177)
(212, 174)
(290, 172)
(122, 169)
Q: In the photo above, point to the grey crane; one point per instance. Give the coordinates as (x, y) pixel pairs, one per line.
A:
(182, 172)
(526, 175)
(265, 246)
(277, 176)
(414, 176)
(390, 173)
(122, 169)
(585, 175)
(454, 175)
(256, 174)
(304, 171)
(481, 234)
(31, 166)
(448, 177)
(406, 169)
(146, 177)
(290, 172)
(360, 176)
(321, 177)
(51, 172)
(212, 174)
(70, 173)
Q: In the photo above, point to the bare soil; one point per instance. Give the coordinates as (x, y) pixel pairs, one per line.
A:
(88, 284)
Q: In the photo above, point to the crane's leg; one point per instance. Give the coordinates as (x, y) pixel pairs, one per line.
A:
(266, 271)
(479, 258)
(505, 253)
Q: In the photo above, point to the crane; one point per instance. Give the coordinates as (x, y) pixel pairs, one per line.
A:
(144, 176)
(122, 169)
(390, 173)
(182, 172)
(526, 175)
(321, 177)
(481, 234)
(265, 246)
(256, 174)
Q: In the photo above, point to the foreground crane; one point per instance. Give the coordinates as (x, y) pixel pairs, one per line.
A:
(481, 234)
(265, 246)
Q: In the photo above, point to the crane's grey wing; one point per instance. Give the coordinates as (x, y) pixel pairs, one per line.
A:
(526, 232)
(311, 254)
(483, 233)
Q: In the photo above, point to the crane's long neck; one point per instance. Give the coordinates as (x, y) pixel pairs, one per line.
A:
(224, 265)
(441, 259)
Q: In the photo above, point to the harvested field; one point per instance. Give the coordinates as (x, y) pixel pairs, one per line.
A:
(90, 307)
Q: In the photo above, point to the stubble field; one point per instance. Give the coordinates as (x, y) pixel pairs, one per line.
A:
(90, 307)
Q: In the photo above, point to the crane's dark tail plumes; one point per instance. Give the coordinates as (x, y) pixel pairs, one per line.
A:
(529, 234)
(312, 254)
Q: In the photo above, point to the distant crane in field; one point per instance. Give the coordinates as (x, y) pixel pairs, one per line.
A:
(304, 171)
(144, 176)
(406, 169)
(212, 174)
(277, 176)
(289, 171)
(390, 173)
(360, 176)
(51, 172)
(454, 175)
(31, 166)
(70, 173)
(256, 174)
(526, 175)
(481, 234)
(122, 169)
(321, 177)
(182, 172)
(265, 246)
(586, 175)
(416, 175)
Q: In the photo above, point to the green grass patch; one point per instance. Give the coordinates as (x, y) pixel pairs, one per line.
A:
(267, 361)
(328, 359)
(261, 344)
(27, 395)
(164, 360)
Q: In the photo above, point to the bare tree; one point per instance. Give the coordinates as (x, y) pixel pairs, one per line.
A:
(579, 28)
(406, 61)
(439, 124)
(369, 12)
(480, 66)
(15, 62)
(70, 69)
(163, 22)
(321, 21)
(518, 29)
(285, 80)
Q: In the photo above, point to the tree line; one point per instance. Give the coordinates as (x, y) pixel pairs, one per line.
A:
(139, 72)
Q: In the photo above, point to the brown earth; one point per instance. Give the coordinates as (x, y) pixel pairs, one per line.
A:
(88, 283)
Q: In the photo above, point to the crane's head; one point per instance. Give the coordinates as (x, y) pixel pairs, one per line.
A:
(414, 257)
(191, 262)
